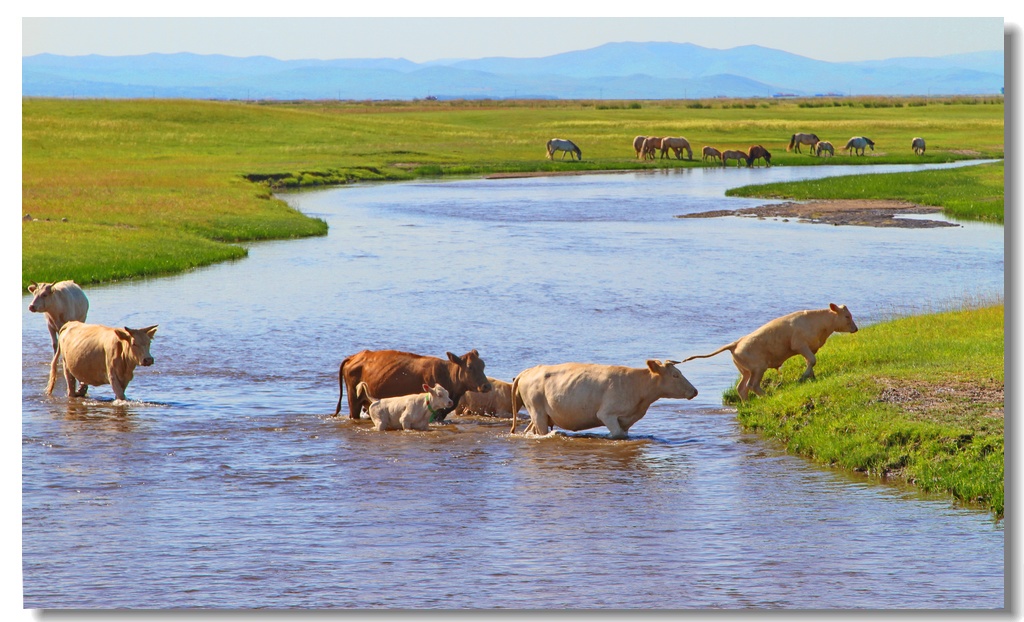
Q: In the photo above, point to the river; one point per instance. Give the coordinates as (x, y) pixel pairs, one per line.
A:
(225, 482)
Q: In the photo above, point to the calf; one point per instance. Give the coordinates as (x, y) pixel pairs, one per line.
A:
(60, 302)
(406, 412)
(495, 403)
(578, 396)
(95, 355)
(768, 347)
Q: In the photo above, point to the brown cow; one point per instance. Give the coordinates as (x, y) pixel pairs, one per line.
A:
(95, 355)
(390, 373)
(768, 347)
(579, 396)
(495, 403)
(60, 302)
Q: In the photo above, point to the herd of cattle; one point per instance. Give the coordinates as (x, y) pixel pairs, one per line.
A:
(647, 147)
(402, 390)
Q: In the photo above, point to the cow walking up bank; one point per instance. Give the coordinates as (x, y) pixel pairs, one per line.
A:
(97, 355)
(60, 302)
(768, 347)
(579, 396)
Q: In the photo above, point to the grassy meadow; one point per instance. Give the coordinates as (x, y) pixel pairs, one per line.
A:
(160, 186)
(915, 400)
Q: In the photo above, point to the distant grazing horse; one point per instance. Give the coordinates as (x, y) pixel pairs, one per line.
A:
(825, 147)
(565, 146)
(802, 139)
(757, 152)
(710, 152)
(651, 144)
(917, 145)
(677, 145)
(638, 145)
(733, 155)
(859, 142)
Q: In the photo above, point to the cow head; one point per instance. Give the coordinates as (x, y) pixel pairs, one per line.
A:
(470, 371)
(40, 296)
(670, 380)
(438, 397)
(137, 341)
(843, 320)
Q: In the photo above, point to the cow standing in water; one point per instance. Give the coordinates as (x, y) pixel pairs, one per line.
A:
(60, 302)
(406, 412)
(579, 396)
(390, 373)
(495, 403)
(96, 355)
(768, 347)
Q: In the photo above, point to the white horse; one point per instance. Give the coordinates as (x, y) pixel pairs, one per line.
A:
(917, 145)
(565, 146)
(824, 146)
(859, 142)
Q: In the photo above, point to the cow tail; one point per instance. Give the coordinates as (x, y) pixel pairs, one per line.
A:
(341, 386)
(53, 369)
(515, 406)
(731, 348)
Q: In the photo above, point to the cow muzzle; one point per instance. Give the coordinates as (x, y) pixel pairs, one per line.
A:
(146, 362)
(32, 308)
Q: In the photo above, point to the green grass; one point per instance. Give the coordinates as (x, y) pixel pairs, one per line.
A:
(197, 176)
(917, 400)
(969, 193)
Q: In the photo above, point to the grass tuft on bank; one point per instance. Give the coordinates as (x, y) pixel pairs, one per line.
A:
(916, 400)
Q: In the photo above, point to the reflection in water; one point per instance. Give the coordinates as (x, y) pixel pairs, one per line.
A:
(227, 484)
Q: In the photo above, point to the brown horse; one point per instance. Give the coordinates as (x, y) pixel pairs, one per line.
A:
(802, 139)
(732, 154)
(710, 152)
(651, 144)
(757, 152)
(676, 145)
(638, 145)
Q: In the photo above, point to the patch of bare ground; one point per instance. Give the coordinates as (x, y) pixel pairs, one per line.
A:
(969, 404)
(859, 212)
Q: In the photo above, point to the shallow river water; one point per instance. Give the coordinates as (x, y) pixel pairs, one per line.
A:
(225, 482)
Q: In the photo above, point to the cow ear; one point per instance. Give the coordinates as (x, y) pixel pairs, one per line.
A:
(426, 387)
(32, 287)
(454, 359)
(150, 330)
(654, 365)
(833, 306)
(123, 334)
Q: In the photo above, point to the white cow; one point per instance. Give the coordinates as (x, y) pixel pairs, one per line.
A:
(405, 412)
(95, 355)
(579, 396)
(60, 302)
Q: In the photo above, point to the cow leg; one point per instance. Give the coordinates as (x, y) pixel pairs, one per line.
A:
(53, 338)
(118, 389)
(811, 361)
(611, 421)
(754, 383)
(81, 390)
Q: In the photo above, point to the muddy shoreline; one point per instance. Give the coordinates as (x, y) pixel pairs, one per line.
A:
(857, 212)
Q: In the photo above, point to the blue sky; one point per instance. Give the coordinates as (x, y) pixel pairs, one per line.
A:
(425, 39)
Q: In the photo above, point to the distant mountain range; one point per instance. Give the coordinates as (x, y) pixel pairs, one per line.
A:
(610, 71)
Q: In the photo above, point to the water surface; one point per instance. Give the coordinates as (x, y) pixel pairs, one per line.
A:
(225, 482)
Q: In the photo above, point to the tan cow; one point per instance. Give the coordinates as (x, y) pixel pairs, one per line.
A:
(638, 145)
(60, 302)
(579, 396)
(95, 355)
(676, 144)
(768, 347)
(495, 403)
(651, 145)
(406, 412)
